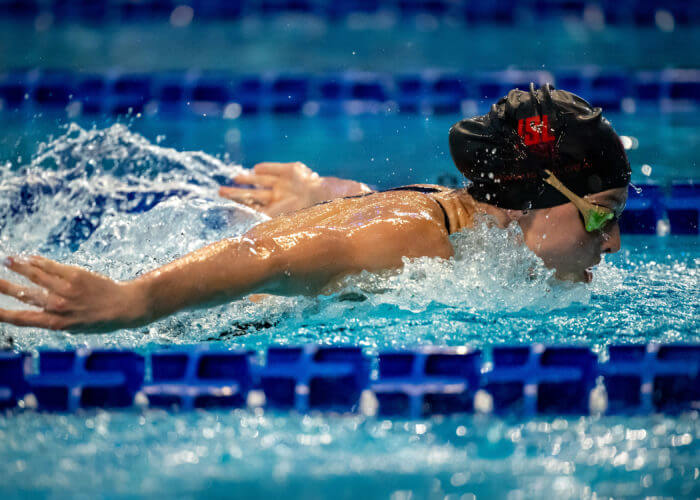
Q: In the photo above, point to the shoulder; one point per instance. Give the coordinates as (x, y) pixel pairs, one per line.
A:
(397, 231)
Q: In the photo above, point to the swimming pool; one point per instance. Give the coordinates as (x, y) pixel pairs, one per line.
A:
(646, 293)
(125, 194)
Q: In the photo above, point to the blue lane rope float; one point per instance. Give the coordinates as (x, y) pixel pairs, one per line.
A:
(314, 377)
(351, 92)
(427, 381)
(469, 11)
(538, 379)
(68, 380)
(652, 378)
(14, 369)
(199, 378)
(522, 380)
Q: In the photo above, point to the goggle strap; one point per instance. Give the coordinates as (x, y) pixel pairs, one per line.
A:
(579, 202)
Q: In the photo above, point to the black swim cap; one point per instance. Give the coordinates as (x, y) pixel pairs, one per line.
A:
(505, 151)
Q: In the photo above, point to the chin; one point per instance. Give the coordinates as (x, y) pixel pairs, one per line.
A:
(585, 276)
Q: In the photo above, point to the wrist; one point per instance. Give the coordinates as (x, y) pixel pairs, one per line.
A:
(134, 307)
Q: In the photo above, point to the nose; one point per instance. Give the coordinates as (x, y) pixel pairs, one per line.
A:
(611, 239)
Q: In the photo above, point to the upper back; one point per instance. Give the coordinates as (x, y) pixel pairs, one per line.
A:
(375, 231)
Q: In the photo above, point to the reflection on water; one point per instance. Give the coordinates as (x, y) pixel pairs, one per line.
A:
(265, 454)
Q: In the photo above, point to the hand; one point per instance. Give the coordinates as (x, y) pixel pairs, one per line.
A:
(70, 298)
(279, 188)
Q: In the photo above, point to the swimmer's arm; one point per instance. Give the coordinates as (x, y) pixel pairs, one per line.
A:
(300, 263)
(78, 300)
(265, 260)
(281, 188)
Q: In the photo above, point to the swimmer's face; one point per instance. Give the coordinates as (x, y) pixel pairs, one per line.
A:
(558, 237)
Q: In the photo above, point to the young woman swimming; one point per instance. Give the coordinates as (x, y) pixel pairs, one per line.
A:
(544, 159)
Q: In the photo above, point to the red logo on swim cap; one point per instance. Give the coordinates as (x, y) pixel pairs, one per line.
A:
(535, 130)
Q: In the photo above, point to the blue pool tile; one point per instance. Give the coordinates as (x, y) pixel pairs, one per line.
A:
(328, 93)
(432, 7)
(14, 89)
(19, 8)
(101, 378)
(211, 93)
(314, 378)
(538, 379)
(248, 93)
(91, 92)
(14, 368)
(86, 10)
(683, 208)
(492, 85)
(129, 94)
(228, 9)
(286, 6)
(409, 92)
(367, 89)
(496, 11)
(427, 381)
(146, 9)
(649, 87)
(682, 89)
(648, 378)
(573, 81)
(199, 377)
(446, 92)
(608, 88)
(53, 89)
(342, 8)
(170, 93)
(558, 8)
(288, 93)
(643, 210)
(685, 86)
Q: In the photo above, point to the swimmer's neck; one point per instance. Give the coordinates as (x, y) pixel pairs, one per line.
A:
(502, 216)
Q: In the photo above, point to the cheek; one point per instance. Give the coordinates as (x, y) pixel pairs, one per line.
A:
(558, 237)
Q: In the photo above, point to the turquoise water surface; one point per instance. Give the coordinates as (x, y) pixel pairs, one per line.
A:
(494, 291)
(64, 180)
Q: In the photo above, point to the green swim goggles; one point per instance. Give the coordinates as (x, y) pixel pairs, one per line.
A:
(594, 216)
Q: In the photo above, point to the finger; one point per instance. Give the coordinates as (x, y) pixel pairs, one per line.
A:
(52, 267)
(267, 181)
(29, 295)
(39, 319)
(277, 169)
(246, 196)
(34, 274)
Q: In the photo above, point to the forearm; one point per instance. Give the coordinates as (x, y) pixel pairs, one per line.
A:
(220, 272)
(233, 268)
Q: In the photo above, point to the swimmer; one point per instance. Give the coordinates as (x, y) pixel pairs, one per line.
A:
(543, 159)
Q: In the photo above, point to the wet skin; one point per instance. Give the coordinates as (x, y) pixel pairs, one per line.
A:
(297, 253)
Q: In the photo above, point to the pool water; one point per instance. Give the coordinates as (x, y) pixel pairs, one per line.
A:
(494, 291)
(68, 189)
